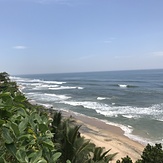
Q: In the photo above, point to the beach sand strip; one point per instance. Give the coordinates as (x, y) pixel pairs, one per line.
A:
(108, 136)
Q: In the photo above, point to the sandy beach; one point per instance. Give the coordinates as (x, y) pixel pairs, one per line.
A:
(108, 136)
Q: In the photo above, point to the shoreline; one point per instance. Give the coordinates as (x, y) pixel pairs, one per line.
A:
(107, 136)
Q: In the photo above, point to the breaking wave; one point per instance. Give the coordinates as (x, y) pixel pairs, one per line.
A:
(47, 97)
(126, 86)
(154, 111)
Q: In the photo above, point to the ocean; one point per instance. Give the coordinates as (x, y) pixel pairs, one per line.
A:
(132, 100)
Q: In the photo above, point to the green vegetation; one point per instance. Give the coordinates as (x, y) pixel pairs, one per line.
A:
(30, 135)
(151, 154)
(25, 135)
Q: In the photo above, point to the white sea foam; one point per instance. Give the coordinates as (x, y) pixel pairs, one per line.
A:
(128, 116)
(122, 85)
(160, 119)
(26, 80)
(47, 97)
(114, 111)
(39, 86)
(62, 97)
(53, 82)
(86, 104)
(80, 87)
(17, 79)
(21, 87)
(31, 93)
(13, 77)
(35, 84)
(104, 98)
(52, 86)
(38, 81)
(101, 98)
(35, 81)
(139, 139)
(65, 87)
(45, 82)
(128, 132)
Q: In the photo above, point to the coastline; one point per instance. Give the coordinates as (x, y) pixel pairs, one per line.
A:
(107, 136)
(133, 109)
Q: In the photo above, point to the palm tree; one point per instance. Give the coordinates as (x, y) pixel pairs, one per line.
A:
(72, 146)
(101, 156)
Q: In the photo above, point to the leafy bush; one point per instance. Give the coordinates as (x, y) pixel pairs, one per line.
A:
(24, 134)
(126, 159)
(152, 154)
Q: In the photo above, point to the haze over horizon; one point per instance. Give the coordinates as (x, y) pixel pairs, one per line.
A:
(58, 36)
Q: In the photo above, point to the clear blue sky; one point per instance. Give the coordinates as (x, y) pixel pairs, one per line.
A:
(53, 36)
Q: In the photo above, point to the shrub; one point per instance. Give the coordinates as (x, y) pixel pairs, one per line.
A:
(152, 154)
(126, 159)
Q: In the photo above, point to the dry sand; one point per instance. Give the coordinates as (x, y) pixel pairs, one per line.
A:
(108, 136)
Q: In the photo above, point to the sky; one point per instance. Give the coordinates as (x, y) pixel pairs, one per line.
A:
(58, 36)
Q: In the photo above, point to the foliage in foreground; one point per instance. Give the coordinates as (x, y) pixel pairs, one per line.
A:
(25, 136)
(151, 154)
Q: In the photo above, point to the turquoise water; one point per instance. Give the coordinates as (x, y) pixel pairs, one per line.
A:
(132, 100)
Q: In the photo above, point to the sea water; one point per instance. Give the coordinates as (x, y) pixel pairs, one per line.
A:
(132, 100)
